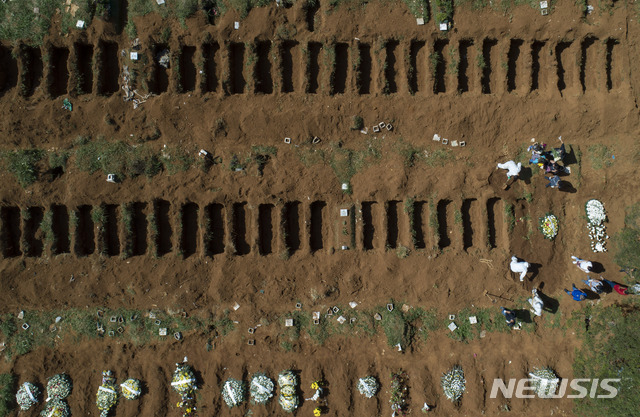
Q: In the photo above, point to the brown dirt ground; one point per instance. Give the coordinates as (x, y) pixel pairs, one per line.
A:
(494, 125)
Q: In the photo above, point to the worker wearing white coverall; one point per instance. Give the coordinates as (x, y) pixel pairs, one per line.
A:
(536, 303)
(586, 266)
(519, 267)
(513, 170)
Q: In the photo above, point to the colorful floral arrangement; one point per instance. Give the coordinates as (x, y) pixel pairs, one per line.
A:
(184, 382)
(545, 381)
(261, 388)
(56, 408)
(288, 397)
(233, 392)
(596, 216)
(399, 394)
(27, 395)
(107, 395)
(58, 387)
(368, 386)
(130, 389)
(549, 226)
(453, 383)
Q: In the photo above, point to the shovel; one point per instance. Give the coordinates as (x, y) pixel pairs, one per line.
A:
(495, 296)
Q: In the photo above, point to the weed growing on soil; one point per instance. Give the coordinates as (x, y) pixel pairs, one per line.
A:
(357, 123)
(23, 164)
(434, 224)
(600, 156)
(480, 62)
(25, 243)
(47, 228)
(509, 217)
(127, 221)
(442, 10)
(185, 9)
(243, 7)
(453, 61)
(347, 162)
(7, 394)
(19, 22)
(409, 153)
(473, 4)
(402, 252)
(330, 63)
(58, 160)
(409, 208)
(77, 325)
(418, 8)
(434, 60)
(440, 157)
(153, 232)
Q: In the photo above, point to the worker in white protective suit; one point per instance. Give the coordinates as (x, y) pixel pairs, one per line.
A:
(519, 267)
(536, 303)
(513, 170)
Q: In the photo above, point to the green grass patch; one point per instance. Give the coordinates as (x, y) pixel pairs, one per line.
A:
(76, 325)
(402, 328)
(19, 21)
(127, 160)
(419, 8)
(627, 240)
(509, 216)
(7, 394)
(442, 10)
(23, 164)
(609, 350)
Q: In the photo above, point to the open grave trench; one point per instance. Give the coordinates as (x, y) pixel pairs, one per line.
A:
(159, 227)
(421, 67)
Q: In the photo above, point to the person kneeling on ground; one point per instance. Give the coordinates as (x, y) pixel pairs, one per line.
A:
(577, 294)
(620, 289)
(536, 303)
(586, 266)
(554, 182)
(513, 171)
(519, 267)
(595, 284)
(510, 317)
(556, 154)
(552, 167)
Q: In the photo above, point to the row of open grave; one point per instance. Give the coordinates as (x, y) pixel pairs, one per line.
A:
(160, 227)
(389, 66)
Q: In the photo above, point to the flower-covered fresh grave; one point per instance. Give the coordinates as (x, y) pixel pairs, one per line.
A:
(549, 226)
(545, 381)
(27, 395)
(288, 399)
(107, 395)
(596, 216)
(58, 387)
(184, 382)
(261, 388)
(56, 408)
(131, 389)
(368, 386)
(233, 392)
(453, 383)
(399, 394)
